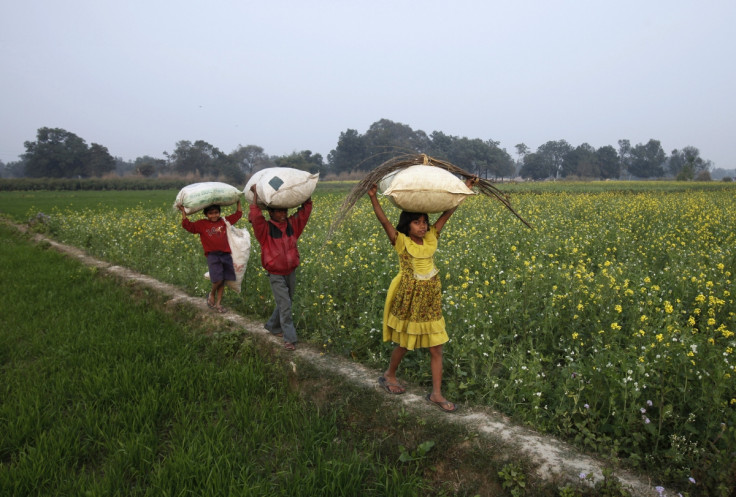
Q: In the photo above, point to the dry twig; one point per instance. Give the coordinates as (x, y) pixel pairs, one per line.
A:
(484, 186)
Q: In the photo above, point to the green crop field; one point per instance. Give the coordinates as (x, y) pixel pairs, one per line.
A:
(611, 323)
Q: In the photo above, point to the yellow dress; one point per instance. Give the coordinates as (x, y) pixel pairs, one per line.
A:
(412, 316)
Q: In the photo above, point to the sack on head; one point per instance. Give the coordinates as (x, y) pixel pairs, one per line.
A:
(424, 188)
(281, 187)
(197, 196)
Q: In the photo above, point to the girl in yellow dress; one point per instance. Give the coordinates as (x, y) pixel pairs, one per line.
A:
(412, 316)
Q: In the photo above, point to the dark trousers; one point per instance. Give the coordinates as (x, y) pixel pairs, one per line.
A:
(281, 320)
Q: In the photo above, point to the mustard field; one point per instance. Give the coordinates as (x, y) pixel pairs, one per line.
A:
(611, 323)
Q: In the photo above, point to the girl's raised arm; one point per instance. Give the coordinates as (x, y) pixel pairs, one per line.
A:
(446, 215)
(443, 219)
(387, 226)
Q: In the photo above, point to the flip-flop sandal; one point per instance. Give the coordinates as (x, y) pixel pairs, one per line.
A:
(386, 385)
(450, 406)
(211, 306)
(220, 309)
(289, 346)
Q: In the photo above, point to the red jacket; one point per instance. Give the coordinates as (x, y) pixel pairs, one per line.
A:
(279, 253)
(212, 235)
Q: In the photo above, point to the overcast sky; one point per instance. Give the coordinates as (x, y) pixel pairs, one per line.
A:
(138, 76)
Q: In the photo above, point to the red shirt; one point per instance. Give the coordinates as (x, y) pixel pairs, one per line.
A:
(212, 235)
(279, 254)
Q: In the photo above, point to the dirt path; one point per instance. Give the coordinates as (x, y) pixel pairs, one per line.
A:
(554, 459)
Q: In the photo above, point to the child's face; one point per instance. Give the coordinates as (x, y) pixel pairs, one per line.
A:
(278, 215)
(213, 215)
(418, 228)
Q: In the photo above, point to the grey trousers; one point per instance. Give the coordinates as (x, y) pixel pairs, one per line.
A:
(281, 320)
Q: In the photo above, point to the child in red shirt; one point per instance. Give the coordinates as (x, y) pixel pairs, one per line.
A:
(280, 257)
(213, 235)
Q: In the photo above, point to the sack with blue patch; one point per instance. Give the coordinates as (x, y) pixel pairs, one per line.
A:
(281, 187)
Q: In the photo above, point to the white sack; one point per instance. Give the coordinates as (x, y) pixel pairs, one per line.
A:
(385, 182)
(197, 196)
(239, 241)
(281, 187)
(423, 188)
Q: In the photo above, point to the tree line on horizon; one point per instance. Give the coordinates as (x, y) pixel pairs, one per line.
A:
(57, 153)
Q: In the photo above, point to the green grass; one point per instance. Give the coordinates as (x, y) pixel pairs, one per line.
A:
(22, 205)
(102, 394)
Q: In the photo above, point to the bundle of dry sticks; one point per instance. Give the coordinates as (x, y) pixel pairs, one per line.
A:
(484, 186)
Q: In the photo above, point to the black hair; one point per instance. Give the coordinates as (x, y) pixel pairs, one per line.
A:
(211, 207)
(406, 218)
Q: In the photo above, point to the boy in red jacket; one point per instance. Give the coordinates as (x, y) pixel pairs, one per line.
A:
(213, 235)
(280, 258)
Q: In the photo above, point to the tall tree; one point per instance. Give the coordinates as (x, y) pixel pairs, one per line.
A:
(351, 150)
(624, 154)
(386, 138)
(441, 145)
(99, 161)
(502, 163)
(148, 166)
(56, 153)
(647, 160)
(199, 158)
(553, 154)
(521, 150)
(535, 167)
(473, 155)
(304, 160)
(249, 158)
(688, 157)
(608, 162)
(580, 161)
(484, 158)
